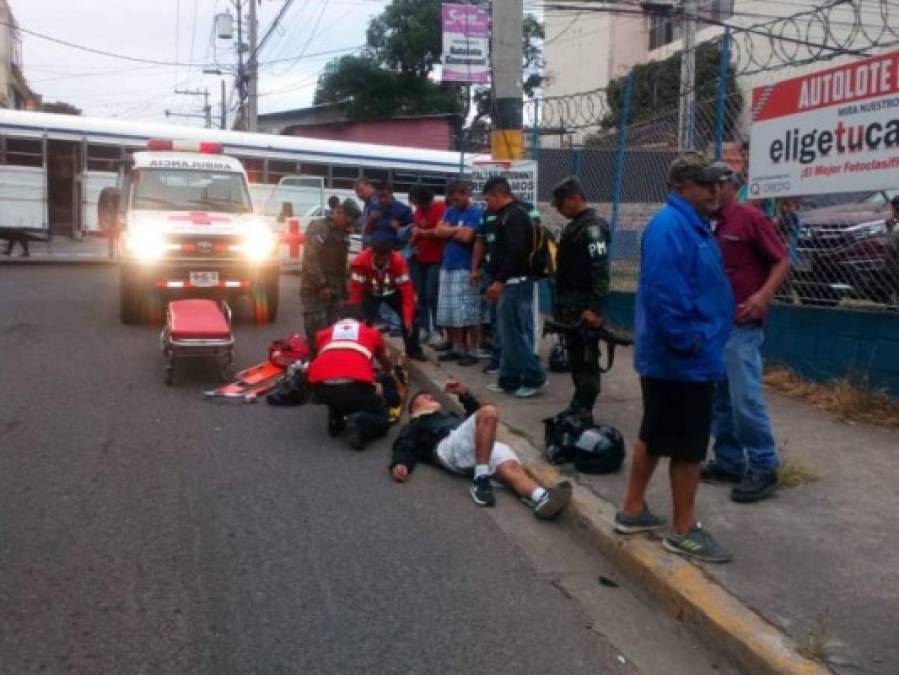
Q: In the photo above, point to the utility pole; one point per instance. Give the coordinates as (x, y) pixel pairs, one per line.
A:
(252, 72)
(241, 74)
(224, 122)
(507, 139)
(207, 109)
(687, 113)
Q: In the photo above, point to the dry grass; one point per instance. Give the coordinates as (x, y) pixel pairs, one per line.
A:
(816, 643)
(841, 398)
(792, 474)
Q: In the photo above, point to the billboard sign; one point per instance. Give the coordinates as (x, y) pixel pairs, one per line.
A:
(521, 174)
(834, 130)
(466, 44)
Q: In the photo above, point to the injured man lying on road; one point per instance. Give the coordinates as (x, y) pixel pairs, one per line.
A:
(462, 446)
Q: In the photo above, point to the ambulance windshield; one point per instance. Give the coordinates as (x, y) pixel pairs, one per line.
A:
(181, 190)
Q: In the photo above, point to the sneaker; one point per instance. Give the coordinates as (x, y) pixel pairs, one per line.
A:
(528, 392)
(417, 356)
(491, 368)
(754, 487)
(497, 389)
(482, 491)
(436, 340)
(645, 521)
(467, 360)
(354, 434)
(449, 356)
(712, 473)
(698, 545)
(554, 501)
(336, 423)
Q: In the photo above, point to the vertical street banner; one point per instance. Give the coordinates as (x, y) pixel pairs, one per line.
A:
(521, 174)
(466, 44)
(834, 130)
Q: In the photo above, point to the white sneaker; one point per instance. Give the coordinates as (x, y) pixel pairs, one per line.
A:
(528, 392)
(435, 339)
(496, 389)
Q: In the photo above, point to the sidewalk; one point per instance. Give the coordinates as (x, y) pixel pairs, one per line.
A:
(60, 250)
(820, 561)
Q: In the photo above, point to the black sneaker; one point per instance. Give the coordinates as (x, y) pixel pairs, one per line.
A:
(336, 423)
(698, 545)
(482, 491)
(712, 473)
(468, 360)
(449, 356)
(754, 487)
(354, 434)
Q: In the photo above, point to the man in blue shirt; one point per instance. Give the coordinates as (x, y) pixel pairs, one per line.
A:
(458, 300)
(685, 309)
(389, 216)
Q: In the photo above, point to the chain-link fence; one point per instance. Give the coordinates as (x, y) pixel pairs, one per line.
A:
(843, 247)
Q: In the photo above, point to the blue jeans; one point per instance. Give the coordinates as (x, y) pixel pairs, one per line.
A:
(518, 365)
(740, 424)
(426, 280)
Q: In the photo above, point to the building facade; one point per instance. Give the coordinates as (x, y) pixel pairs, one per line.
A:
(14, 90)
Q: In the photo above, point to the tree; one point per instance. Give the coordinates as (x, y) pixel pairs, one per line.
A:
(392, 76)
(657, 90)
(60, 107)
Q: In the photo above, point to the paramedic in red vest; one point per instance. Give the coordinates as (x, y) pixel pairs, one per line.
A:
(342, 377)
(379, 275)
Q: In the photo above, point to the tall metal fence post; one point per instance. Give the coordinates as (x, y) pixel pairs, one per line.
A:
(721, 110)
(535, 130)
(622, 147)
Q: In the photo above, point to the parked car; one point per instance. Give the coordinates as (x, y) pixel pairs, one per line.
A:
(843, 251)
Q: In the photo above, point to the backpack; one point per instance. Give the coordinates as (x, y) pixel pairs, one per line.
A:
(542, 260)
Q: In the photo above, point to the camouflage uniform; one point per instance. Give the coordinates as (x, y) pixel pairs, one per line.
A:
(324, 266)
(582, 282)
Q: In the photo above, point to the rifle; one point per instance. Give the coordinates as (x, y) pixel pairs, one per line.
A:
(589, 334)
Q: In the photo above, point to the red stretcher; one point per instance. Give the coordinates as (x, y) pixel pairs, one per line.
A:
(197, 328)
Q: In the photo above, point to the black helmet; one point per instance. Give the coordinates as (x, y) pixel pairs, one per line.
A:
(599, 449)
(558, 359)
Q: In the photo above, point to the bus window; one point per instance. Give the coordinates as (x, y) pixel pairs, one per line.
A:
(344, 177)
(310, 169)
(277, 169)
(23, 152)
(435, 181)
(404, 180)
(254, 168)
(376, 174)
(104, 158)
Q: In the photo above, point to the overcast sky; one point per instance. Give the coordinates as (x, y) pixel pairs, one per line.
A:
(177, 31)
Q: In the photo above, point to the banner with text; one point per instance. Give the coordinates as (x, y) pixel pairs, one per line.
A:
(466, 44)
(835, 130)
(521, 174)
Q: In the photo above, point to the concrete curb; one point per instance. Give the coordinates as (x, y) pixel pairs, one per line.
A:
(681, 587)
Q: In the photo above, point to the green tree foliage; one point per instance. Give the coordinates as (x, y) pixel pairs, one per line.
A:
(391, 77)
(657, 90)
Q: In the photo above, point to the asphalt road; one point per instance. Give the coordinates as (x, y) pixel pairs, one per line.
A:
(146, 530)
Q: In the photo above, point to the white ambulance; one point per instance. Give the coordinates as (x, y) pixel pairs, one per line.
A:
(188, 230)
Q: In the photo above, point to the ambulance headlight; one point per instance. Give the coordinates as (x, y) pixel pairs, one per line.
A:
(146, 245)
(258, 244)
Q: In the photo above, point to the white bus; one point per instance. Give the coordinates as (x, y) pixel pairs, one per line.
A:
(52, 167)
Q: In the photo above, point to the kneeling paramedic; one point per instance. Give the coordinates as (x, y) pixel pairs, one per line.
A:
(380, 276)
(342, 377)
(462, 446)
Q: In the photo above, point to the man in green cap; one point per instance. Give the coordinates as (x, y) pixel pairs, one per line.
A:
(324, 270)
(684, 313)
(582, 284)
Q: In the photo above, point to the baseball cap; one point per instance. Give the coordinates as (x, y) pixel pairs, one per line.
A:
(722, 172)
(566, 188)
(690, 166)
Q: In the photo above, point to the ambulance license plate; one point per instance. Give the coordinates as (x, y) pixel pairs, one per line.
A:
(204, 279)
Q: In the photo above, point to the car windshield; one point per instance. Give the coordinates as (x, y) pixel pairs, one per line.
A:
(880, 197)
(181, 190)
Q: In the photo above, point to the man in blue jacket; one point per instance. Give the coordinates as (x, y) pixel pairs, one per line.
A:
(685, 309)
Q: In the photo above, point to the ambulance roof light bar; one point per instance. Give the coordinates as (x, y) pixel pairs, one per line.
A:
(172, 145)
